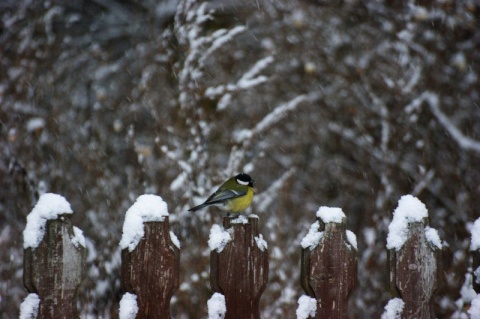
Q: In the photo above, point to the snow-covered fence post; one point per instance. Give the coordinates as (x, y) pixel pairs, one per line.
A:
(239, 265)
(329, 263)
(475, 251)
(54, 258)
(150, 260)
(413, 258)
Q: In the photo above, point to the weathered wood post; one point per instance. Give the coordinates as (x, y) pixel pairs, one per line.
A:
(239, 270)
(54, 257)
(413, 258)
(329, 263)
(150, 257)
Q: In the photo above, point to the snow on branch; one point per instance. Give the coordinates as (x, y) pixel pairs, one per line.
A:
(424, 182)
(256, 69)
(433, 101)
(199, 47)
(279, 113)
(272, 118)
(219, 38)
(364, 141)
(265, 199)
(250, 79)
(184, 165)
(188, 29)
(244, 137)
(463, 141)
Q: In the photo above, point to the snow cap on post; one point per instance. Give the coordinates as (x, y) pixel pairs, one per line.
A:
(410, 210)
(326, 215)
(147, 208)
(331, 214)
(48, 207)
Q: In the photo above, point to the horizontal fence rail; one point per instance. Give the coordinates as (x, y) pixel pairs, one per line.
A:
(239, 263)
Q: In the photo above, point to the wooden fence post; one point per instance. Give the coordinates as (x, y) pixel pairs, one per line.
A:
(329, 271)
(240, 270)
(55, 269)
(413, 271)
(151, 271)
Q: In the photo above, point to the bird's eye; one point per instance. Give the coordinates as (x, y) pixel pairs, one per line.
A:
(242, 182)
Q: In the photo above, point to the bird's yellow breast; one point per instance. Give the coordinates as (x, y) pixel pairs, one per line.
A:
(241, 203)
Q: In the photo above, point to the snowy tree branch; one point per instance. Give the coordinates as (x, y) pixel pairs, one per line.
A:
(433, 101)
(279, 113)
(244, 137)
(265, 199)
(428, 177)
(219, 38)
(273, 117)
(248, 80)
(364, 141)
(463, 141)
(199, 47)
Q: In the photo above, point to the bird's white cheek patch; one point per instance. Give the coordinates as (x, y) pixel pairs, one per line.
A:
(242, 182)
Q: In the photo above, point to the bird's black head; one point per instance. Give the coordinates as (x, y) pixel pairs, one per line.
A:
(244, 179)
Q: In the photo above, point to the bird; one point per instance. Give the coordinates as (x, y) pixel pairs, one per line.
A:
(234, 195)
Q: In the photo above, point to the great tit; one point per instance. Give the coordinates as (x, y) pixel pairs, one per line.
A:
(234, 196)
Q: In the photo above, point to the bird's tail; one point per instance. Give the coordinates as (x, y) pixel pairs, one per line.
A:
(194, 209)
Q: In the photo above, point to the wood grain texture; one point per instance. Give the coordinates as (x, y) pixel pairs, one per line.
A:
(329, 271)
(151, 271)
(55, 269)
(413, 272)
(240, 270)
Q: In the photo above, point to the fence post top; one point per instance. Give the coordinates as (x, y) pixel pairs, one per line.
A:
(328, 215)
(147, 208)
(229, 221)
(409, 217)
(336, 225)
(49, 207)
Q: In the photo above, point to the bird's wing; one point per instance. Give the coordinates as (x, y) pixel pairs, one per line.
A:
(223, 195)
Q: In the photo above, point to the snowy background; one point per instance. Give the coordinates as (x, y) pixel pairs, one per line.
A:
(344, 104)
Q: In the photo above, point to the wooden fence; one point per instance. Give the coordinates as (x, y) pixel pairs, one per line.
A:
(55, 269)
